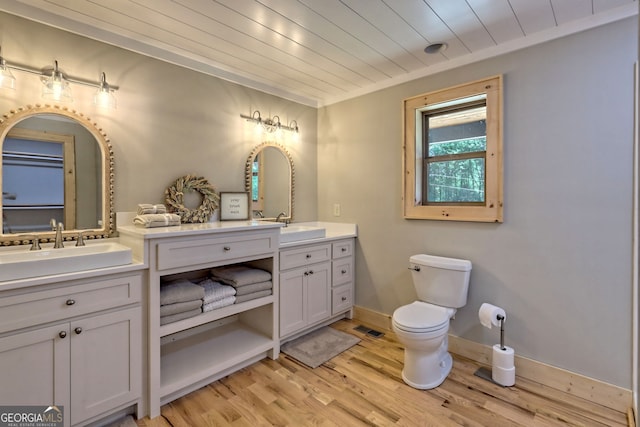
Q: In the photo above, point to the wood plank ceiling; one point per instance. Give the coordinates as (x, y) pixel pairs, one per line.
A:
(318, 52)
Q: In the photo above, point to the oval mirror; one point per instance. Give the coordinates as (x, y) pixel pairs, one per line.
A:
(269, 180)
(56, 164)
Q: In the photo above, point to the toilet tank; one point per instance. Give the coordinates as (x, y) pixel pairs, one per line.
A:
(441, 281)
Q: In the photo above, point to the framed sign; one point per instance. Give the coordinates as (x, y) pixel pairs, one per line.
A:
(234, 206)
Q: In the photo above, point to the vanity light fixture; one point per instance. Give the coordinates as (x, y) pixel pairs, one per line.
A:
(57, 83)
(56, 87)
(271, 125)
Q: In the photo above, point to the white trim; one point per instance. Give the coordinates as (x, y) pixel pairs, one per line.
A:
(635, 249)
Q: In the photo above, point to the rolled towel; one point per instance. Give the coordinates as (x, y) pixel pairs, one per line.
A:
(180, 291)
(180, 307)
(240, 275)
(180, 316)
(219, 304)
(147, 208)
(215, 291)
(254, 287)
(253, 295)
(157, 220)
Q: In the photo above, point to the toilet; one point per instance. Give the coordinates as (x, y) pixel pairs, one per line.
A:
(422, 326)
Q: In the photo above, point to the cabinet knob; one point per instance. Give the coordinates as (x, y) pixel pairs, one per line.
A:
(310, 271)
(62, 334)
(343, 249)
(343, 271)
(308, 256)
(344, 298)
(226, 248)
(70, 302)
(306, 273)
(78, 330)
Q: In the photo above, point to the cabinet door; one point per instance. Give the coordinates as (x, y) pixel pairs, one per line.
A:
(292, 301)
(318, 288)
(34, 368)
(106, 362)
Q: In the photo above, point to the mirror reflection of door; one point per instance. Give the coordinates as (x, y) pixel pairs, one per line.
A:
(38, 180)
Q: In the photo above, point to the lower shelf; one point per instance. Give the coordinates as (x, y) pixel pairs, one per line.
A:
(206, 352)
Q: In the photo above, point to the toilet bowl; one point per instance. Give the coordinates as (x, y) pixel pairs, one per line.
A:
(422, 329)
(422, 326)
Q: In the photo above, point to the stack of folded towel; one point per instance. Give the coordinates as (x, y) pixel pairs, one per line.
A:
(180, 299)
(217, 295)
(249, 282)
(155, 216)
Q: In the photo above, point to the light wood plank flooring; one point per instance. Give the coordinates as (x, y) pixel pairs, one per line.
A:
(363, 387)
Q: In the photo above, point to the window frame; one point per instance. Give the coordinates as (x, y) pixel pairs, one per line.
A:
(492, 209)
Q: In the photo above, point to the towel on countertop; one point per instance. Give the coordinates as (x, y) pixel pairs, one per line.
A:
(147, 208)
(240, 275)
(254, 287)
(180, 290)
(180, 316)
(253, 295)
(157, 220)
(179, 307)
(215, 291)
(219, 304)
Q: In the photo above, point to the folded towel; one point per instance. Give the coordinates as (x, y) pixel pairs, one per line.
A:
(240, 275)
(254, 287)
(219, 304)
(180, 290)
(157, 220)
(215, 291)
(146, 208)
(179, 307)
(180, 316)
(253, 295)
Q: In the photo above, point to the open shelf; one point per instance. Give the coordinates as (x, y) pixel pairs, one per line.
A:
(210, 316)
(208, 350)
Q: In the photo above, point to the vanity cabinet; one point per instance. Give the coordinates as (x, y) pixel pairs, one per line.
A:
(76, 345)
(316, 285)
(188, 354)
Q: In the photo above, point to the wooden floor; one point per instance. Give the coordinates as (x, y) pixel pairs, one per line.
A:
(363, 386)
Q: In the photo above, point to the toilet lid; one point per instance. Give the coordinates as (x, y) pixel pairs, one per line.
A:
(421, 317)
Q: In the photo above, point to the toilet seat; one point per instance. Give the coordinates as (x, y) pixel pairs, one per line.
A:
(420, 317)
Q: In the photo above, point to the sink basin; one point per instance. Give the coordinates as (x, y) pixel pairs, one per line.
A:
(294, 233)
(21, 263)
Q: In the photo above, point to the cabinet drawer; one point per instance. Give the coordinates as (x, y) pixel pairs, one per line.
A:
(38, 307)
(202, 251)
(304, 256)
(342, 249)
(342, 271)
(342, 298)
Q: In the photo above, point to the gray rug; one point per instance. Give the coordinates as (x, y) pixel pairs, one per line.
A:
(317, 347)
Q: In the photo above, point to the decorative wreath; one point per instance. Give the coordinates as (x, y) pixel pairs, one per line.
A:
(174, 198)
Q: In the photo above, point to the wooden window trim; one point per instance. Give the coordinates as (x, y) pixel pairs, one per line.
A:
(492, 209)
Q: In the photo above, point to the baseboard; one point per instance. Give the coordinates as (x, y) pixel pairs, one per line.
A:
(596, 391)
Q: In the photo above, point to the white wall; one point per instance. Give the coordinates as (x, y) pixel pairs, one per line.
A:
(170, 121)
(560, 264)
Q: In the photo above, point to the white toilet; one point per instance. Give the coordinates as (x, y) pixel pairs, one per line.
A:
(422, 326)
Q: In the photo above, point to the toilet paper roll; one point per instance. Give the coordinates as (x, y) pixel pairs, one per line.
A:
(502, 358)
(503, 370)
(488, 315)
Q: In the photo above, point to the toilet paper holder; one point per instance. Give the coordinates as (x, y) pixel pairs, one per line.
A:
(501, 319)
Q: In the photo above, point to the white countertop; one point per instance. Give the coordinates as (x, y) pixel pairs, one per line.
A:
(195, 229)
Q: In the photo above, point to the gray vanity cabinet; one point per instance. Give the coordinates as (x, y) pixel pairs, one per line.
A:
(316, 285)
(77, 346)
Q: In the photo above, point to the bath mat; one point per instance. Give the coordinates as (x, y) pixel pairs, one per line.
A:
(128, 421)
(317, 347)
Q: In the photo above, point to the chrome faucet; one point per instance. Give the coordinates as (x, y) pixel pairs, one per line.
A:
(58, 228)
(280, 215)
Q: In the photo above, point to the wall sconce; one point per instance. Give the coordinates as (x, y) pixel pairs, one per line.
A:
(271, 125)
(56, 83)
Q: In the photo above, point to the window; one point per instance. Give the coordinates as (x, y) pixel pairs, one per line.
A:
(453, 153)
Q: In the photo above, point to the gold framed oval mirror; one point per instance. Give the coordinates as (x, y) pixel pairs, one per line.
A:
(269, 180)
(56, 164)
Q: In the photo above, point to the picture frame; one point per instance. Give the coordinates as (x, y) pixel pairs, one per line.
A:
(234, 205)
